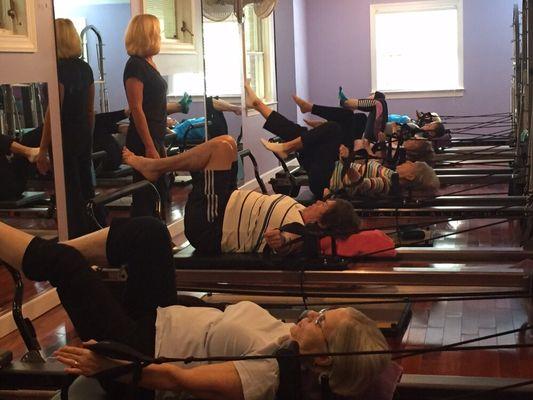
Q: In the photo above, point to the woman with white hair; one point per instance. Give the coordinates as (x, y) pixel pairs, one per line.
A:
(149, 322)
(371, 178)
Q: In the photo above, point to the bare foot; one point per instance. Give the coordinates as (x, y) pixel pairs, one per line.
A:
(251, 98)
(304, 105)
(222, 105)
(32, 154)
(277, 148)
(313, 123)
(142, 164)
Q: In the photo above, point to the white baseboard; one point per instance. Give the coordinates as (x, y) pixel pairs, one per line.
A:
(177, 227)
(31, 309)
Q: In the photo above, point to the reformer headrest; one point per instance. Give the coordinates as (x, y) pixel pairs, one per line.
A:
(374, 243)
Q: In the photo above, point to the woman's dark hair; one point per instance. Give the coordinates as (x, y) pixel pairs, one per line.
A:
(341, 219)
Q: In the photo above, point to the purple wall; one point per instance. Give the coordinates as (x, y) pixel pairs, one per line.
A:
(338, 41)
(285, 57)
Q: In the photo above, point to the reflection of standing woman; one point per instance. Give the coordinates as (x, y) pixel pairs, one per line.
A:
(76, 93)
(146, 92)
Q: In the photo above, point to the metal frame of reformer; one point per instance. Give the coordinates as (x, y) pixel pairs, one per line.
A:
(275, 275)
(31, 204)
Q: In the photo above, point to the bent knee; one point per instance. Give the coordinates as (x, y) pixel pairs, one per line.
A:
(226, 145)
(149, 227)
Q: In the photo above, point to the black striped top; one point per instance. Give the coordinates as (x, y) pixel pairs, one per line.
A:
(249, 214)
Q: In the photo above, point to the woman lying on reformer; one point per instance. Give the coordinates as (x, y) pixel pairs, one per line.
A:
(402, 133)
(149, 321)
(318, 151)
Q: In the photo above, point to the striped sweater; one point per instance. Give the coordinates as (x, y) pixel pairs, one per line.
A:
(249, 214)
(376, 179)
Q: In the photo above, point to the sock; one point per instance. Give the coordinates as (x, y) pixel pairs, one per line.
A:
(185, 102)
(342, 97)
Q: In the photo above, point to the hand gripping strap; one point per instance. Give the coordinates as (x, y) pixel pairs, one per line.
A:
(123, 352)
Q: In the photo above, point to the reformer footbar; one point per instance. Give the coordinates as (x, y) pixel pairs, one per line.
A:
(33, 371)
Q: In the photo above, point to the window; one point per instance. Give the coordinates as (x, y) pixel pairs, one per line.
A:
(223, 57)
(176, 18)
(260, 53)
(417, 48)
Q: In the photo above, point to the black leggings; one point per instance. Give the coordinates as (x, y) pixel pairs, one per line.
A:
(320, 148)
(105, 125)
(13, 174)
(352, 124)
(144, 245)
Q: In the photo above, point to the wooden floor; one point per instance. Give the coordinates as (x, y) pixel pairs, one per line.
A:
(432, 324)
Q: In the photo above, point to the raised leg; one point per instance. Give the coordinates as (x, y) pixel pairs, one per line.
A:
(304, 105)
(142, 244)
(8, 145)
(217, 154)
(284, 149)
(13, 244)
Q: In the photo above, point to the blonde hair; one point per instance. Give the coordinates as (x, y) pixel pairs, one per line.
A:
(351, 375)
(68, 43)
(143, 36)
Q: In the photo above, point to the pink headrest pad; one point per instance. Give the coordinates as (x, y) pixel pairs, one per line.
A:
(360, 244)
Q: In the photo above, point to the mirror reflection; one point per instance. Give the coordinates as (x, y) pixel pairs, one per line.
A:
(27, 198)
(227, 39)
(146, 74)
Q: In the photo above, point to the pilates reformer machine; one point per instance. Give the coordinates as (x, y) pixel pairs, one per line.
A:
(283, 281)
(318, 282)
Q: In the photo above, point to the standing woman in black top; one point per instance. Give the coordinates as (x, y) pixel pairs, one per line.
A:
(146, 91)
(76, 93)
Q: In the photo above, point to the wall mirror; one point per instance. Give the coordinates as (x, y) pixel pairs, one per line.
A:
(102, 25)
(223, 80)
(27, 199)
(248, 52)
